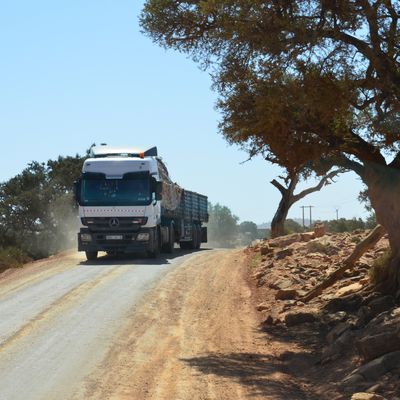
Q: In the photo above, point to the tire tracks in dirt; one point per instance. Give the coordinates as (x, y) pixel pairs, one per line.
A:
(60, 306)
(175, 343)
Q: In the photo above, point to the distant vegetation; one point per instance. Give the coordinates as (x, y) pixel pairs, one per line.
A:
(37, 211)
(225, 231)
(334, 226)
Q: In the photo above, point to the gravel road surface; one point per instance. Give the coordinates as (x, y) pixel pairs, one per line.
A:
(183, 327)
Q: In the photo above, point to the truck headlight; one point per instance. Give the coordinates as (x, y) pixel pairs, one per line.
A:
(143, 237)
(86, 237)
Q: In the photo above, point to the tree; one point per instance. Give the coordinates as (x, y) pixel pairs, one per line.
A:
(302, 82)
(289, 198)
(37, 211)
(248, 232)
(222, 225)
(345, 225)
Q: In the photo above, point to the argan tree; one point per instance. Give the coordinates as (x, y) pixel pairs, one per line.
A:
(302, 81)
(289, 197)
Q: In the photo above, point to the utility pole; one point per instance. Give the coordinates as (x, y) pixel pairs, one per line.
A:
(337, 214)
(310, 207)
(302, 208)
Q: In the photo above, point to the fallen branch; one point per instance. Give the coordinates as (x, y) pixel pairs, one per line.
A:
(348, 263)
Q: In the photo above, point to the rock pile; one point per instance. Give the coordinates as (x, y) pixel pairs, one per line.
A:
(358, 329)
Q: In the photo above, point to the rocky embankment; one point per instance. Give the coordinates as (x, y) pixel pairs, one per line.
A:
(348, 337)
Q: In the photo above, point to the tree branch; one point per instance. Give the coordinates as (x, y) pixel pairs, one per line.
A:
(279, 186)
(317, 187)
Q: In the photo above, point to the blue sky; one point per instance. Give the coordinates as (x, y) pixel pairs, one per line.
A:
(76, 72)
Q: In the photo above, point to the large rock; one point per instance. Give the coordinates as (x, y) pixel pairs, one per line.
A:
(281, 284)
(338, 348)
(319, 230)
(265, 249)
(347, 303)
(337, 331)
(307, 236)
(349, 289)
(285, 241)
(376, 368)
(373, 346)
(366, 396)
(374, 308)
(280, 255)
(297, 318)
(381, 304)
(286, 294)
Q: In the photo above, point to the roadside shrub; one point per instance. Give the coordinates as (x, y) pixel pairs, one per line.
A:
(12, 257)
(378, 272)
(318, 247)
(355, 239)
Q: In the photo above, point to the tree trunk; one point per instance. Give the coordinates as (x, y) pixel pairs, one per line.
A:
(289, 198)
(278, 222)
(384, 192)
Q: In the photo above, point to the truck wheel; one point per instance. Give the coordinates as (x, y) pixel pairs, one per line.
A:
(195, 238)
(155, 253)
(185, 245)
(198, 234)
(91, 255)
(169, 247)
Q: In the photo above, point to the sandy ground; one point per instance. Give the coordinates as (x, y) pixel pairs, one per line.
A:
(178, 328)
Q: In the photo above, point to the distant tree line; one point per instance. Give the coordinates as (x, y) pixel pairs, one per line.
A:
(334, 226)
(225, 231)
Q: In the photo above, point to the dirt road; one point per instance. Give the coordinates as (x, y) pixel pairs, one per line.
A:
(177, 328)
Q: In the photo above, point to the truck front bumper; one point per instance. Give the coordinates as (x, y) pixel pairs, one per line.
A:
(117, 241)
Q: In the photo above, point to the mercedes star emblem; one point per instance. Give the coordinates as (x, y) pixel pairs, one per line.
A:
(114, 222)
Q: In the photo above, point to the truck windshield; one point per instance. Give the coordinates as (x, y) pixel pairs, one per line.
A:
(115, 192)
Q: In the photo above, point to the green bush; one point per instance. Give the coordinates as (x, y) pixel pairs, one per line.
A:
(12, 257)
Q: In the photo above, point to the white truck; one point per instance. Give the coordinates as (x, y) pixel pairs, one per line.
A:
(128, 204)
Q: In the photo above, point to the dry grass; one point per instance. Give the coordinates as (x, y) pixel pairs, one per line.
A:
(380, 268)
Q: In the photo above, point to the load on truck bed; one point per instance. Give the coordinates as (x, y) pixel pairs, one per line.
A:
(128, 203)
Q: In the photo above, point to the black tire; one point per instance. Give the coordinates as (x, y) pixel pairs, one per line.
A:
(155, 253)
(186, 245)
(198, 242)
(169, 247)
(91, 255)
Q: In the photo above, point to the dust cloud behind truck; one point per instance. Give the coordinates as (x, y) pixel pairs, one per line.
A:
(128, 204)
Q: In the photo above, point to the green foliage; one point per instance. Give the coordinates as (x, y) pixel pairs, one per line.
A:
(247, 232)
(222, 226)
(37, 208)
(344, 225)
(371, 222)
(297, 80)
(12, 257)
(291, 226)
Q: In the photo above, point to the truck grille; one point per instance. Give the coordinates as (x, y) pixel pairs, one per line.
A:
(114, 223)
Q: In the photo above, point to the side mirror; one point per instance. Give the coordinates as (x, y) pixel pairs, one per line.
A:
(77, 191)
(159, 188)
